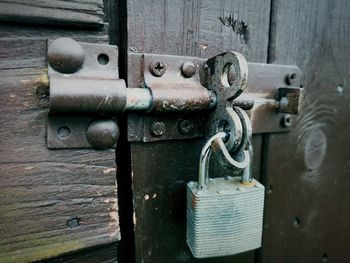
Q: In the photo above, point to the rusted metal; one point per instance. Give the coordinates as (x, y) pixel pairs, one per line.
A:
(65, 55)
(174, 92)
(103, 133)
(158, 128)
(87, 95)
(157, 68)
(288, 100)
(262, 87)
(186, 126)
(91, 87)
(188, 69)
(218, 80)
(164, 83)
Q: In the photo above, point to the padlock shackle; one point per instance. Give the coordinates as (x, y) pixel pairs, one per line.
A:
(203, 178)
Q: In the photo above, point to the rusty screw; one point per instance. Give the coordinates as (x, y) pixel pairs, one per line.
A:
(157, 68)
(287, 121)
(291, 78)
(158, 128)
(188, 69)
(186, 127)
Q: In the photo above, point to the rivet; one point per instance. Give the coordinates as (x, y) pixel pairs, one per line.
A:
(65, 55)
(102, 134)
(157, 68)
(188, 69)
(73, 222)
(220, 191)
(186, 127)
(158, 128)
(240, 188)
(227, 177)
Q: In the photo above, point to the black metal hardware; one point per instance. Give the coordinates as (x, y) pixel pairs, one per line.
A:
(85, 88)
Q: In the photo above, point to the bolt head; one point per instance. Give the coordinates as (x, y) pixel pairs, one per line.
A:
(186, 127)
(65, 55)
(291, 78)
(287, 121)
(188, 69)
(158, 128)
(102, 134)
(157, 68)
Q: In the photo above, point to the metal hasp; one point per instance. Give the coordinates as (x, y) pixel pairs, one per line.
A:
(168, 97)
(85, 92)
(183, 85)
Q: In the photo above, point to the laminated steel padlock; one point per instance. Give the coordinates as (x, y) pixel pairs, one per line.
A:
(224, 215)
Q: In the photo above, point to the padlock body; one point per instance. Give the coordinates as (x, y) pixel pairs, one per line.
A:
(226, 218)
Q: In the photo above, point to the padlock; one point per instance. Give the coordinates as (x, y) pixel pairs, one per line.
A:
(224, 215)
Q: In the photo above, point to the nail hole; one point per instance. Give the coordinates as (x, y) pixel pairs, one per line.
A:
(269, 189)
(296, 222)
(340, 89)
(63, 132)
(73, 222)
(103, 59)
(324, 257)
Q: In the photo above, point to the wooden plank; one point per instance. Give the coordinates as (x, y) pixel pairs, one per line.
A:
(307, 217)
(88, 13)
(26, 47)
(161, 170)
(104, 254)
(52, 201)
(200, 28)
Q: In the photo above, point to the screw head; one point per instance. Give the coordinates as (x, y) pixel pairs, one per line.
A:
(157, 68)
(102, 134)
(188, 69)
(291, 78)
(287, 121)
(158, 128)
(186, 126)
(65, 55)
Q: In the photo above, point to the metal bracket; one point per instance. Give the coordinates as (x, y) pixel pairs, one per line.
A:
(264, 97)
(177, 88)
(80, 71)
(168, 97)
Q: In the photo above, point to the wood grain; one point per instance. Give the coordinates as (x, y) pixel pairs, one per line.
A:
(88, 13)
(307, 217)
(199, 28)
(51, 201)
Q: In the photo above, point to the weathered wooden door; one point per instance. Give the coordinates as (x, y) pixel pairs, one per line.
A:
(57, 202)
